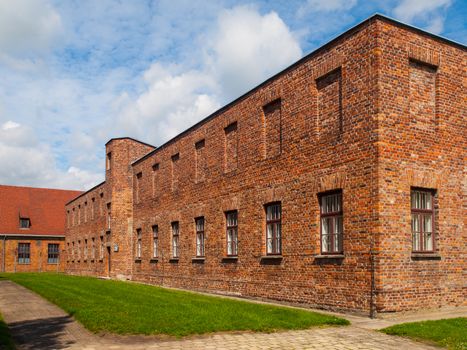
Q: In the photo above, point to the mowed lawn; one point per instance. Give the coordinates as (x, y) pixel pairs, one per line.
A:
(450, 333)
(131, 308)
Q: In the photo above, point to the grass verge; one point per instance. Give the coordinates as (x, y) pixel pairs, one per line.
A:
(5, 338)
(450, 333)
(130, 308)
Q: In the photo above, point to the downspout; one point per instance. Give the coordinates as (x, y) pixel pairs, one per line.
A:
(3, 253)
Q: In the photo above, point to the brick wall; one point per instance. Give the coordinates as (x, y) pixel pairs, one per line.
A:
(422, 143)
(38, 255)
(373, 114)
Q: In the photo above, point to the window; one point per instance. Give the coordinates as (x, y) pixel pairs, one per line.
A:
(24, 253)
(24, 223)
(155, 178)
(273, 128)
(85, 211)
(109, 218)
(79, 214)
(232, 233)
(200, 160)
(155, 241)
(175, 171)
(139, 176)
(422, 220)
(331, 223)
(109, 160)
(52, 253)
(93, 248)
(78, 250)
(273, 228)
(231, 147)
(139, 243)
(73, 250)
(101, 251)
(68, 218)
(199, 236)
(93, 208)
(175, 239)
(85, 249)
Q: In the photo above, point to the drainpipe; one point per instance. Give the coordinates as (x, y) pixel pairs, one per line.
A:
(3, 253)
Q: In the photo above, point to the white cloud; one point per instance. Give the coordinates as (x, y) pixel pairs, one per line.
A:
(246, 49)
(10, 125)
(428, 12)
(27, 26)
(250, 47)
(27, 162)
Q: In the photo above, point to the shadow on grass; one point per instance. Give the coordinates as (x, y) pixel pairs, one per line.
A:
(45, 333)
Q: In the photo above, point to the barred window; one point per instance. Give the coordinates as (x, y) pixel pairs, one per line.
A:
(175, 239)
(24, 253)
(155, 241)
(422, 220)
(52, 253)
(273, 228)
(199, 236)
(232, 232)
(139, 243)
(331, 223)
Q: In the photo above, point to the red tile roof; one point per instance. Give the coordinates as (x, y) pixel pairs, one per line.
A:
(44, 207)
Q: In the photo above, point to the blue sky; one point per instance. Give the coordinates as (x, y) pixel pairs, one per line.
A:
(76, 73)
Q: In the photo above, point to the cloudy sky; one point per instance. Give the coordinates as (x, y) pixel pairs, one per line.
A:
(75, 73)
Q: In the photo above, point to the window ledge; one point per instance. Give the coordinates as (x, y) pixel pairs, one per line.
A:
(153, 260)
(173, 260)
(329, 256)
(198, 259)
(232, 258)
(427, 256)
(138, 260)
(271, 257)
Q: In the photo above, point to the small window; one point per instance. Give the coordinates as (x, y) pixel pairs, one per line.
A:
(24, 253)
(175, 239)
(199, 236)
(331, 223)
(102, 247)
(273, 128)
(139, 243)
(52, 253)
(109, 216)
(273, 229)
(155, 241)
(422, 220)
(139, 176)
(93, 248)
(109, 160)
(232, 233)
(24, 223)
(85, 249)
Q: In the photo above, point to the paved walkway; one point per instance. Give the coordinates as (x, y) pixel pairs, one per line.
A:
(37, 324)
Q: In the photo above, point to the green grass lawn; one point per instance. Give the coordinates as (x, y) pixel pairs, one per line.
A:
(450, 333)
(5, 339)
(130, 308)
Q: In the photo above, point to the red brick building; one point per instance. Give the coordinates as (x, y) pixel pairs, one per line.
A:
(337, 183)
(32, 228)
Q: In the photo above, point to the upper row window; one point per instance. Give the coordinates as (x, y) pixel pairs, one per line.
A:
(24, 223)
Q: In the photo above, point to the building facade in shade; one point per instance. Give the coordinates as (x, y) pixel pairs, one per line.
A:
(339, 183)
(32, 228)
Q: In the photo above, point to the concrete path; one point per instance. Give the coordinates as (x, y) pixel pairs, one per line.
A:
(37, 324)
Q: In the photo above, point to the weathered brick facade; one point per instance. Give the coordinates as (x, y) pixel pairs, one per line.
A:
(376, 112)
(36, 246)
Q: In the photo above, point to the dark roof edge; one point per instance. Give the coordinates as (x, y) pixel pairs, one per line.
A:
(130, 138)
(305, 58)
(84, 193)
